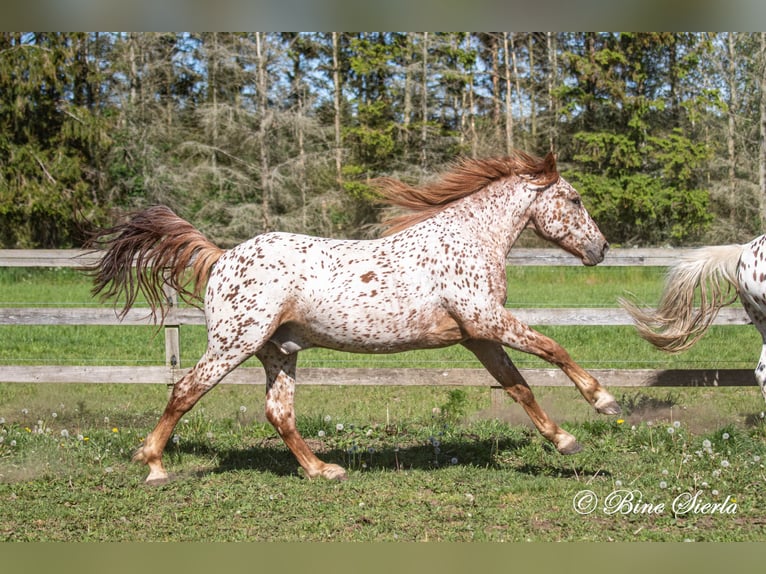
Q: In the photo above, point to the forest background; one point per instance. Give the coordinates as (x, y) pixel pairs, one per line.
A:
(664, 134)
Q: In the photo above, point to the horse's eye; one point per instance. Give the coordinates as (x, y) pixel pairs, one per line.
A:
(576, 201)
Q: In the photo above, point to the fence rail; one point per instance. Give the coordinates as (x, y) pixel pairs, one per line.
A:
(181, 316)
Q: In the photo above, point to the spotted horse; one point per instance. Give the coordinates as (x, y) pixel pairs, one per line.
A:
(717, 275)
(435, 278)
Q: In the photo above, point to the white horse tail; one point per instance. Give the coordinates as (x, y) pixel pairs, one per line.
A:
(677, 324)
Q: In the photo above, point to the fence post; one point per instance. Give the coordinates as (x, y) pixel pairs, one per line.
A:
(172, 337)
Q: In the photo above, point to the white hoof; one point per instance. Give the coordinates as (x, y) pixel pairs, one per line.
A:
(607, 405)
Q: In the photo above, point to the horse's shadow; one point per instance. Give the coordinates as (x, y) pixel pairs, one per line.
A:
(273, 457)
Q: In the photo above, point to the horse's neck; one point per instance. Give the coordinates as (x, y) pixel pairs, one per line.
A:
(497, 214)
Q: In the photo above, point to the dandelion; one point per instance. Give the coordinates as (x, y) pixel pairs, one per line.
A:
(714, 492)
(24, 411)
(620, 421)
(64, 433)
(725, 463)
(106, 420)
(54, 415)
(176, 439)
(671, 430)
(677, 424)
(664, 472)
(320, 433)
(453, 460)
(339, 427)
(756, 458)
(243, 409)
(618, 483)
(327, 418)
(13, 443)
(663, 484)
(115, 429)
(725, 436)
(716, 473)
(706, 444)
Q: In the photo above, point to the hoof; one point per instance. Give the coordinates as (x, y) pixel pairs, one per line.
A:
(334, 472)
(568, 445)
(328, 471)
(157, 477)
(606, 405)
(156, 481)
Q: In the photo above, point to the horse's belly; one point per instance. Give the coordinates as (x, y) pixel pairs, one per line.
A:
(364, 336)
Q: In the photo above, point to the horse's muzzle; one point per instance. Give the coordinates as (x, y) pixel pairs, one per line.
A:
(596, 255)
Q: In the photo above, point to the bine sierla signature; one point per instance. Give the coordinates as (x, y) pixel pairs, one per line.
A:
(625, 502)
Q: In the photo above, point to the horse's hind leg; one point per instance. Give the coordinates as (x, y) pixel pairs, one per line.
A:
(500, 366)
(760, 371)
(186, 392)
(280, 393)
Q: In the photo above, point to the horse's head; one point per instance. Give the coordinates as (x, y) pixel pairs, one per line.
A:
(559, 215)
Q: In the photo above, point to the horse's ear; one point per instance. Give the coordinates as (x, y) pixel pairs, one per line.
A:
(549, 163)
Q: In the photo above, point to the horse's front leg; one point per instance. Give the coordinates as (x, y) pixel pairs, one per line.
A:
(504, 328)
(280, 394)
(500, 366)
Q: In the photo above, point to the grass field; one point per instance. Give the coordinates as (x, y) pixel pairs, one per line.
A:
(425, 464)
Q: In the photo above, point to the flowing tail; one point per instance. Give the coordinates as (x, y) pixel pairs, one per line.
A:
(161, 246)
(677, 324)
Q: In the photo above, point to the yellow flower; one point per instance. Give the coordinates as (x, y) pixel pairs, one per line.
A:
(115, 429)
(620, 421)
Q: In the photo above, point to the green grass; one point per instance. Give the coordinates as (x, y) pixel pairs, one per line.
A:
(415, 473)
(435, 464)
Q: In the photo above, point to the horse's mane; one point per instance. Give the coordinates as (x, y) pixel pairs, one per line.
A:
(465, 177)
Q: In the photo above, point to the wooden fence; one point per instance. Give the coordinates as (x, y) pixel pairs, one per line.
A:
(181, 316)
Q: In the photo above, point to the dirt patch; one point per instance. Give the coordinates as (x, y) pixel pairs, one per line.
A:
(698, 410)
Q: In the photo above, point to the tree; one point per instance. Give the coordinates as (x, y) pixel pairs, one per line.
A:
(53, 134)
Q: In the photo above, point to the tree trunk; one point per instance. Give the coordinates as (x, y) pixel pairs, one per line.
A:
(730, 135)
(762, 154)
(551, 78)
(508, 100)
(424, 106)
(263, 112)
(336, 107)
(532, 86)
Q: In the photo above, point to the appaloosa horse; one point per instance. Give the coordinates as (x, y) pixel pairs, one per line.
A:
(436, 279)
(713, 272)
